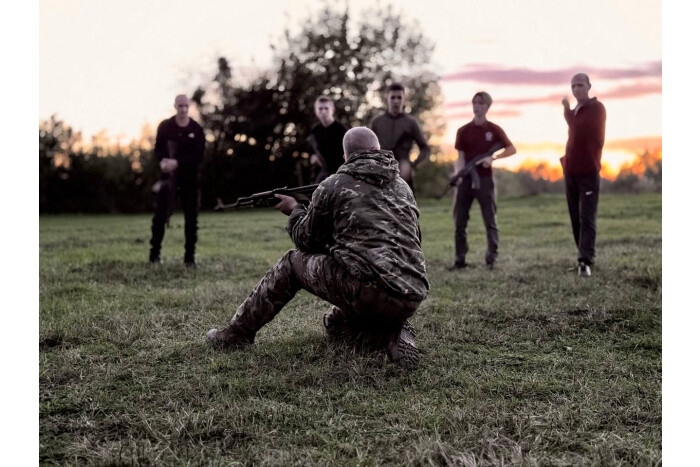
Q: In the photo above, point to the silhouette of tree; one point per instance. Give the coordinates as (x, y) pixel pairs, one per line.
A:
(256, 132)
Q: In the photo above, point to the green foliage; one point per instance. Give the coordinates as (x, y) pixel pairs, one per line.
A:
(77, 178)
(525, 364)
(261, 128)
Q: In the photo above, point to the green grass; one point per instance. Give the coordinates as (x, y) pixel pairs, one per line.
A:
(526, 364)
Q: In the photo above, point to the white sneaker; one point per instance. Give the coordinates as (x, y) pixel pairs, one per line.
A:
(584, 270)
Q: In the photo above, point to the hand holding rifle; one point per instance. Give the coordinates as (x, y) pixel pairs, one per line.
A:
(272, 198)
(168, 165)
(469, 169)
(286, 204)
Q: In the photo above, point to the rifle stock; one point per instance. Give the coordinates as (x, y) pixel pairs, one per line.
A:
(267, 199)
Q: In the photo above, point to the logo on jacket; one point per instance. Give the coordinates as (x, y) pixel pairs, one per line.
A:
(191, 135)
(489, 136)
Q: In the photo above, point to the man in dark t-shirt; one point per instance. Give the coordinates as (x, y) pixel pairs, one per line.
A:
(474, 139)
(581, 165)
(397, 131)
(326, 140)
(179, 149)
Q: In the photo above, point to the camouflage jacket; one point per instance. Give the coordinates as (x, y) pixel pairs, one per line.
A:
(366, 217)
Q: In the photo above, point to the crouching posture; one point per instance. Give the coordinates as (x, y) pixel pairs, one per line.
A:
(358, 247)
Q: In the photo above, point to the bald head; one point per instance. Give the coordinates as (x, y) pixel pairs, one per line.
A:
(359, 139)
(581, 77)
(580, 85)
(182, 106)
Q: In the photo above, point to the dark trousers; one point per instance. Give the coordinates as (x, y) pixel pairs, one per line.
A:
(582, 198)
(362, 304)
(189, 197)
(486, 196)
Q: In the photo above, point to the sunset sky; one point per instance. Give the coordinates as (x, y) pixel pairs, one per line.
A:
(115, 66)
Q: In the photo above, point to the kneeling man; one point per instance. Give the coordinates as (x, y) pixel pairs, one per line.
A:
(358, 247)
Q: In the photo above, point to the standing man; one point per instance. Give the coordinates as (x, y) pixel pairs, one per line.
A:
(358, 247)
(326, 140)
(581, 165)
(474, 139)
(397, 131)
(179, 149)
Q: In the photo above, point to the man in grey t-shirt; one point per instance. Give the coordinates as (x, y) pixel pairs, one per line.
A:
(398, 130)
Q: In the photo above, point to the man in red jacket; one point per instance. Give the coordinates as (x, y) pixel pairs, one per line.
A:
(581, 165)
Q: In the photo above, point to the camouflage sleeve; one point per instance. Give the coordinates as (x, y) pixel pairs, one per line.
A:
(311, 227)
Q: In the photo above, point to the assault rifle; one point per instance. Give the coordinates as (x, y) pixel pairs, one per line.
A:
(469, 169)
(324, 164)
(267, 199)
(172, 183)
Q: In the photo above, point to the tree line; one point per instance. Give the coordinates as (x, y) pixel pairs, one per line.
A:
(256, 128)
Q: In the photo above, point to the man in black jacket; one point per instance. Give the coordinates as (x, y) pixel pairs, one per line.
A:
(179, 150)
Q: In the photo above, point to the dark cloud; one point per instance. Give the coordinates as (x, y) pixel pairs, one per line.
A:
(495, 74)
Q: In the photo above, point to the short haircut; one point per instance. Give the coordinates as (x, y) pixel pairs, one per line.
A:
(358, 139)
(485, 96)
(396, 87)
(320, 99)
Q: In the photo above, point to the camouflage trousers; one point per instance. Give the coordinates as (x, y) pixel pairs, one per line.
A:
(359, 304)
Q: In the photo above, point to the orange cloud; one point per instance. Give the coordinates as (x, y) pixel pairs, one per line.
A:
(636, 145)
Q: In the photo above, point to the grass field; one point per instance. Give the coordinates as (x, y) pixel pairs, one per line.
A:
(526, 364)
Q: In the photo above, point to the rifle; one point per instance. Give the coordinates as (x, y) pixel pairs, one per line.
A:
(172, 182)
(470, 169)
(324, 165)
(267, 199)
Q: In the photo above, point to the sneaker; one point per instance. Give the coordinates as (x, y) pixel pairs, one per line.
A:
(402, 349)
(155, 261)
(191, 264)
(230, 337)
(584, 270)
(457, 265)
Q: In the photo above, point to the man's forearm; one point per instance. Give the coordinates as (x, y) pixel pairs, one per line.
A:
(568, 116)
(507, 152)
(422, 155)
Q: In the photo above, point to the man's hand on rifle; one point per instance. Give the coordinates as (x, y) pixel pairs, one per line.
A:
(315, 160)
(286, 204)
(486, 163)
(168, 165)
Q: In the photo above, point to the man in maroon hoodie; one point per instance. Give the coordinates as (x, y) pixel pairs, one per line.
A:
(581, 165)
